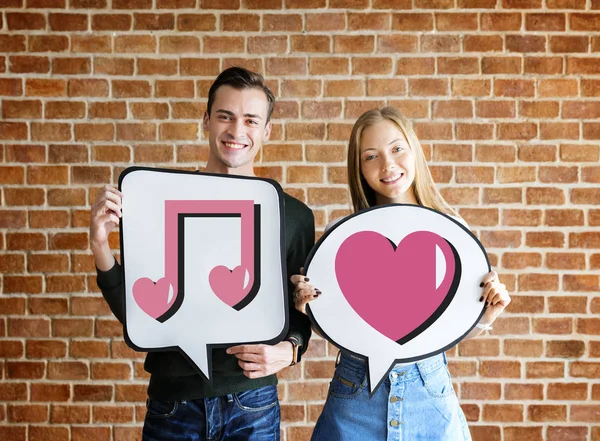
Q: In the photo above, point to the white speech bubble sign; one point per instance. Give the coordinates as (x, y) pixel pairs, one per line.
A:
(193, 248)
(359, 255)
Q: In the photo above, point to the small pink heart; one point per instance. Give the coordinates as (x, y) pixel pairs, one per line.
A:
(152, 297)
(228, 285)
(396, 290)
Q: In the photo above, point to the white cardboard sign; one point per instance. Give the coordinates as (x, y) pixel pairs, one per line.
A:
(194, 249)
(400, 283)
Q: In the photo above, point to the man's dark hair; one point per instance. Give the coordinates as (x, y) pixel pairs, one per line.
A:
(240, 78)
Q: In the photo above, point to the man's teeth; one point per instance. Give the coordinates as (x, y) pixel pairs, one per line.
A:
(232, 145)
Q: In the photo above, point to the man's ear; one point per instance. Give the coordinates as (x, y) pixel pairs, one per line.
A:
(267, 134)
(205, 121)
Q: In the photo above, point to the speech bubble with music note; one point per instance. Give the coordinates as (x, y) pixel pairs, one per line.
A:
(399, 283)
(193, 247)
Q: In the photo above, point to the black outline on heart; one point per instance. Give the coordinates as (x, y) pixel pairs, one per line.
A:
(445, 303)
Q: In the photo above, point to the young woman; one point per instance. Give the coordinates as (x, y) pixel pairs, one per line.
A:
(416, 402)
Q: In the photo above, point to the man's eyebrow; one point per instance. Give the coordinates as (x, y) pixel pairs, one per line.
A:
(230, 113)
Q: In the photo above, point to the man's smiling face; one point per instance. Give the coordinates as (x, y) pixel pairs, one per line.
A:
(237, 127)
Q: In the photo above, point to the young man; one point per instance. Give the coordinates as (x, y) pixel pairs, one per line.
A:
(241, 402)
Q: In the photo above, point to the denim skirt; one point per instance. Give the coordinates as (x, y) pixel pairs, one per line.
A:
(416, 402)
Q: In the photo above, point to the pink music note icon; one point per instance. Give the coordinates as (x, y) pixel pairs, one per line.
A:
(236, 287)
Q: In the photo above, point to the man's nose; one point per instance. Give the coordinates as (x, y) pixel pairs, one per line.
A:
(237, 129)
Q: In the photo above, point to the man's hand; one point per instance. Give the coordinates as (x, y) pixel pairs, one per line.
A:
(104, 216)
(263, 360)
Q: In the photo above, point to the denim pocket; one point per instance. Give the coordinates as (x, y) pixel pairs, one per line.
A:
(257, 400)
(438, 383)
(347, 383)
(160, 409)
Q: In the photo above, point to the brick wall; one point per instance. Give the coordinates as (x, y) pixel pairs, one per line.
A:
(503, 93)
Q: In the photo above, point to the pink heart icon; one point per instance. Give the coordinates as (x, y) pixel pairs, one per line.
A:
(155, 299)
(397, 290)
(229, 285)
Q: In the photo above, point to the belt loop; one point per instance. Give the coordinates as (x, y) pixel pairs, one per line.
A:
(422, 370)
(229, 398)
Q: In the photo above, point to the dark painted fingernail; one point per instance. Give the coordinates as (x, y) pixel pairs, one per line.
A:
(306, 279)
(481, 285)
(481, 299)
(318, 292)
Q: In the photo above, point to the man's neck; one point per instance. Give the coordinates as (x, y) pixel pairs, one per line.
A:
(220, 168)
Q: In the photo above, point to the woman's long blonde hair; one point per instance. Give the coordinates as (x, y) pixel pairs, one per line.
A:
(362, 195)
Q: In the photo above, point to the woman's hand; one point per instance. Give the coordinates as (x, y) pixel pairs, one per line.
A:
(495, 296)
(304, 292)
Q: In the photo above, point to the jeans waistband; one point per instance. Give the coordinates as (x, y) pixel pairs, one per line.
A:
(405, 372)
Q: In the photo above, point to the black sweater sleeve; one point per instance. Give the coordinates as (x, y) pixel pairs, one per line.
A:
(111, 284)
(300, 226)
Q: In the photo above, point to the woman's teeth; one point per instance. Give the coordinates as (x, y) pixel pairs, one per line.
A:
(392, 178)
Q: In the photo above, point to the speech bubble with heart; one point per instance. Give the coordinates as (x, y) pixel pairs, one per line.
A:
(399, 283)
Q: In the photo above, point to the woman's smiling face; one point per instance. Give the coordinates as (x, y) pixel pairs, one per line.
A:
(387, 163)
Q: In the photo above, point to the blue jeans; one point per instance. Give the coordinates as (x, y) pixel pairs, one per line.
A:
(415, 402)
(252, 415)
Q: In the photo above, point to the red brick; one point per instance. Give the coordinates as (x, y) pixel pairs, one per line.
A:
(544, 66)
(175, 89)
(68, 22)
(556, 88)
(24, 196)
(85, 87)
(501, 65)
(567, 304)
(22, 21)
(83, 392)
(53, 306)
(59, 197)
(135, 44)
(153, 22)
(503, 412)
(26, 109)
(25, 370)
(521, 260)
(91, 44)
(184, 44)
(565, 349)
(45, 349)
(545, 239)
(516, 391)
(579, 153)
(29, 64)
(29, 413)
(489, 43)
(13, 391)
(479, 347)
(130, 89)
(538, 282)
(113, 66)
(480, 391)
(555, 326)
(353, 44)
(13, 131)
(284, 22)
(539, 109)
(64, 413)
(111, 22)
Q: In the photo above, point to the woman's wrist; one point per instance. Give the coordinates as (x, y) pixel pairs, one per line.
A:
(485, 326)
